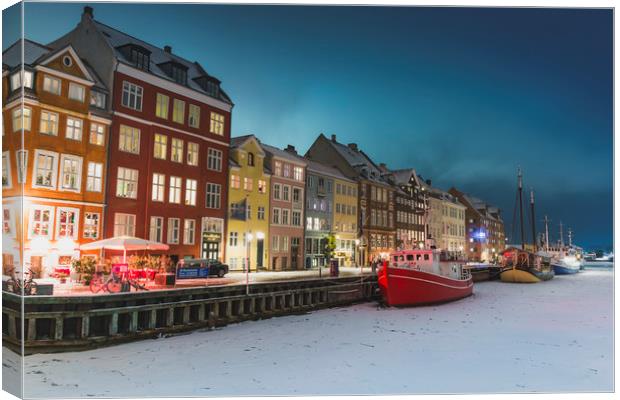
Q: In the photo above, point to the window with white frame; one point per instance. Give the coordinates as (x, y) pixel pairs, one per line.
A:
(158, 187)
(45, 169)
(40, 221)
(233, 239)
(129, 139)
(276, 191)
(191, 187)
(297, 194)
(286, 170)
(51, 85)
(22, 165)
(296, 220)
(94, 177)
(177, 150)
(20, 121)
(214, 160)
(262, 186)
(298, 174)
(235, 181)
(178, 111)
(97, 134)
(278, 168)
(217, 124)
(67, 222)
(193, 119)
(174, 225)
(91, 225)
(70, 172)
(274, 242)
(156, 229)
(132, 96)
(248, 184)
(97, 99)
(275, 216)
(6, 170)
(74, 129)
(192, 153)
(284, 243)
(174, 195)
(261, 213)
(214, 192)
(285, 213)
(77, 92)
(127, 183)
(7, 224)
(189, 231)
(161, 107)
(16, 81)
(160, 149)
(124, 224)
(286, 193)
(49, 123)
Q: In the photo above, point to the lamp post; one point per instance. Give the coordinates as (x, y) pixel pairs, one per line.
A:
(248, 245)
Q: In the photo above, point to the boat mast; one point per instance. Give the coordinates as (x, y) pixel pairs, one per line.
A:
(546, 234)
(570, 238)
(521, 209)
(533, 219)
(561, 235)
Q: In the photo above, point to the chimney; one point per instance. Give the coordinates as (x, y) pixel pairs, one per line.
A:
(353, 146)
(291, 149)
(428, 182)
(88, 13)
(382, 165)
(168, 49)
(334, 138)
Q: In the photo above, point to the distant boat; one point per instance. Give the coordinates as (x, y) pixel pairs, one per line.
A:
(417, 277)
(521, 266)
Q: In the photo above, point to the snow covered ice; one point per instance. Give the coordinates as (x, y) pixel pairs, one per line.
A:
(555, 336)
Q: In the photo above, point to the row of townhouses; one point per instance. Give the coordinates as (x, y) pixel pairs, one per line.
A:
(106, 135)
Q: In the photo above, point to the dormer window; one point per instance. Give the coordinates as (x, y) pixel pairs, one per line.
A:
(138, 55)
(97, 99)
(179, 74)
(209, 84)
(16, 81)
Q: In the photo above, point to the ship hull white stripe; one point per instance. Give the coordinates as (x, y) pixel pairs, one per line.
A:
(433, 282)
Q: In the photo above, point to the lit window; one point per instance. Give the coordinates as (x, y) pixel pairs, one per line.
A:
(74, 129)
(174, 225)
(129, 139)
(233, 239)
(161, 107)
(91, 225)
(287, 170)
(156, 229)
(217, 124)
(235, 181)
(192, 153)
(189, 231)
(174, 195)
(94, 177)
(45, 169)
(262, 186)
(51, 85)
(127, 183)
(49, 123)
(178, 111)
(298, 174)
(214, 191)
(40, 221)
(124, 224)
(97, 99)
(161, 146)
(19, 122)
(191, 186)
(16, 81)
(193, 118)
(251, 159)
(158, 187)
(248, 184)
(67, 222)
(214, 160)
(132, 96)
(77, 92)
(177, 150)
(97, 134)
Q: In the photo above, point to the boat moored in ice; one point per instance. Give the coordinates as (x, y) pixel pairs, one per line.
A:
(521, 266)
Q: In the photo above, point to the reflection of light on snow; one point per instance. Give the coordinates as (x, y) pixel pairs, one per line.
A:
(40, 244)
(65, 245)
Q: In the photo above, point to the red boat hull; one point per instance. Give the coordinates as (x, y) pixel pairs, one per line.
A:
(406, 287)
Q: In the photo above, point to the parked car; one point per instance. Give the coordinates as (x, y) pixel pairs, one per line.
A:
(200, 268)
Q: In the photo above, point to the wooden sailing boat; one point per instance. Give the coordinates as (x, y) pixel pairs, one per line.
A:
(518, 264)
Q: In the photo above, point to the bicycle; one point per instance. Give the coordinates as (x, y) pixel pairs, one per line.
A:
(112, 285)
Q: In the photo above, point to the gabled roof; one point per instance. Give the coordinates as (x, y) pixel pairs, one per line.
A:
(239, 141)
(117, 39)
(359, 161)
(12, 56)
(49, 57)
(275, 152)
(322, 169)
(403, 176)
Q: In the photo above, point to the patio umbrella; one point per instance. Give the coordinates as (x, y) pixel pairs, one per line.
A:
(124, 243)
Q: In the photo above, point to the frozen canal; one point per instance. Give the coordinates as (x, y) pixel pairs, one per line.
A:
(553, 336)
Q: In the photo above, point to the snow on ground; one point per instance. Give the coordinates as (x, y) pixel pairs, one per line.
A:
(555, 336)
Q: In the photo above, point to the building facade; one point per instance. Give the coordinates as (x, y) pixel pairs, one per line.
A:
(248, 205)
(411, 230)
(447, 222)
(319, 214)
(169, 142)
(54, 157)
(345, 217)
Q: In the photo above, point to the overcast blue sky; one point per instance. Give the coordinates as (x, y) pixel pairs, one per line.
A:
(464, 95)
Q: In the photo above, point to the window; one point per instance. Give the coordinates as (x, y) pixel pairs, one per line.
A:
(158, 187)
(278, 168)
(284, 243)
(160, 149)
(298, 174)
(77, 92)
(129, 139)
(178, 111)
(140, 57)
(94, 177)
(235, 181)
(97, 134)
(191, 186)
(276, 191)
(261, 213)
(49, 123)
(286, 170)
(177, 150)
(124, 224)
(276, 216)
(174, 226)
(45, 169)
(285, 213)
(161, 107)
(193, 118)
(19, 122)
(156, 229)
(251, 159)
(97, 99)
(6, 170)
(51, 85)
(91, 225)
(67, 222)
(127, 183)
(174, 194)
(296, 195)
(214, 160)
(74, 129)
(233, 239)
(285, 193)
(40, 221)
(22, 165)
(248, 184)
(189, 231)
(296, 218)
(274, 242)
(217, 124)
(16, 81)
(132, 96)
(213, 195)
(262, 186)
(192, 153)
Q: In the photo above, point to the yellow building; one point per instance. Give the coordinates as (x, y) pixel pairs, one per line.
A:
(248, 205)
(345, 214)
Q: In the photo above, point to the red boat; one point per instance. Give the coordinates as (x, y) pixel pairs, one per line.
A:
(416, 277)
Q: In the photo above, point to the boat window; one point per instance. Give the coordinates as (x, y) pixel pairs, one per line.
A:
(396, 258)
(401, 258)
(409, 257)
(418, 256)
(426, 258)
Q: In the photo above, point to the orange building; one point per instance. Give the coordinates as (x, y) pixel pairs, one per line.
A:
(54, 155)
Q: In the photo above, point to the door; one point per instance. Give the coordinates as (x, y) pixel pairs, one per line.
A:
(259, 253)
(213, 250)
(294, 257)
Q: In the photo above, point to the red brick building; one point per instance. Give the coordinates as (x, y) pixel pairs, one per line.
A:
(169, 141)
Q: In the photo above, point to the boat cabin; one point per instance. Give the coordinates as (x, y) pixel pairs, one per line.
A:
(426, 260)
